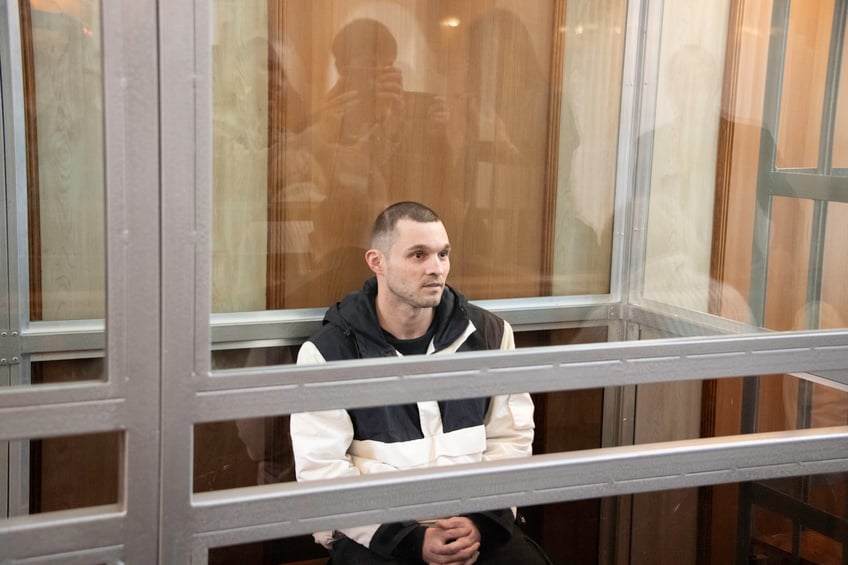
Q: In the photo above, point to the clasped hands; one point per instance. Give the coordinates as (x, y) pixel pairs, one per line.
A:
(451, 541)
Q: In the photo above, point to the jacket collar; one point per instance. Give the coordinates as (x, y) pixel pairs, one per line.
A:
(356, 316)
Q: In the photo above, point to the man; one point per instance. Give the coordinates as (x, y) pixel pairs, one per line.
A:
(408, 309)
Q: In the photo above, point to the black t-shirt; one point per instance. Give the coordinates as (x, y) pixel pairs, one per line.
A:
(415, 346)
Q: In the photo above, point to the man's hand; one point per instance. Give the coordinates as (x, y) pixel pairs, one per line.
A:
(451, 541)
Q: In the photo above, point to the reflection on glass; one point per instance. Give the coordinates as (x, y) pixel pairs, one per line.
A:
(795, 519)
(729, 231)
(240, 453)
(62, 69)
(455, 104)
(833, 308)
(64, 473)
(805, 73)
(840, 142)
(789, 256)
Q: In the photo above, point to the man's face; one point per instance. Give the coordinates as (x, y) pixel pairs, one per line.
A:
(417, 263)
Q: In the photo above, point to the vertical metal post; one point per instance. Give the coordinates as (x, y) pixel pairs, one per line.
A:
(760, 247)
(13, 169)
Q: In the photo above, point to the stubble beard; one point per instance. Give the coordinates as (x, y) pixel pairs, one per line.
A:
(416, 300)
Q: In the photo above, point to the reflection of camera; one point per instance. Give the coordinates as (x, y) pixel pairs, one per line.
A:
(363, 80)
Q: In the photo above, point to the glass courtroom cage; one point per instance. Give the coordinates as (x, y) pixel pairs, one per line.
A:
(652, 193)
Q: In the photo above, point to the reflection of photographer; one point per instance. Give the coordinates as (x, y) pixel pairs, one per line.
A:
(368, 109)
(378, 143)
(369, 92)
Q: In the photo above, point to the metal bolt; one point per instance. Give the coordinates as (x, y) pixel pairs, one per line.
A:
(14, 333)
(14, 359)
(3, 334)
(3, 361)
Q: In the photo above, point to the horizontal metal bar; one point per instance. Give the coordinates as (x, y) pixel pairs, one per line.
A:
(284, 389)
(112, 555)
(242, 329)
(837, 380)
(683, 322)
(98, 529)
(805, 185)
(54, 420)
(292, 327)
(63, 336)
(236, 327)
(298, 508)
(57, 393)
(528, 313)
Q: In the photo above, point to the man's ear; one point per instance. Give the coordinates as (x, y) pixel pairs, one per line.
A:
(375, 261)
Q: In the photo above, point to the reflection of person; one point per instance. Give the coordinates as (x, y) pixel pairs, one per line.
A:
(372, 131)
(408, 309)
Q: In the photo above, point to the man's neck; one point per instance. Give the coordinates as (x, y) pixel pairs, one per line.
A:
(404, 321)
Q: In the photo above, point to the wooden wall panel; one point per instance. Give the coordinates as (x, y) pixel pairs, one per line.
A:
(805, 73)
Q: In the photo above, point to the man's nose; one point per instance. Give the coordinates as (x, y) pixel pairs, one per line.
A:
(438, 265)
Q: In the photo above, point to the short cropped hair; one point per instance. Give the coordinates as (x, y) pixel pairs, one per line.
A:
(387, 220)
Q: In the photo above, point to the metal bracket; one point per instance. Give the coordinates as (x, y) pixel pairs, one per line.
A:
(10, 347)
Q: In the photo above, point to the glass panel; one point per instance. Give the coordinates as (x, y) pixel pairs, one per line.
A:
(70, 370)
(840, 139)
(63, 473)
(805, 74)
(789, 258)
(254, 357)
(833, 312)
(324, 112)
(258, 451)
(685, 146)
(62, 62)
(681, 526)
(711, 218)
(293, 551)
(568, 531)
(801, 519)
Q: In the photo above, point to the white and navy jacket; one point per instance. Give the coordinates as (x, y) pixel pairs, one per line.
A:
(342, 443)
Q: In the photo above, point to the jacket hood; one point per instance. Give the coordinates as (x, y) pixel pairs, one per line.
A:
(356, 316)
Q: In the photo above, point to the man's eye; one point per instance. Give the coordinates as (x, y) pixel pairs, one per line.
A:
(418, 255)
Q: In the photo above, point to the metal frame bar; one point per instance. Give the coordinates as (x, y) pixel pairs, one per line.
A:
(819, 185)
(282, 390)
(51, 535)
(131, 143)
(165, 339)
(186, 211)
(292, 327)
(238, 515)
(14, 484)
(6, 449)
